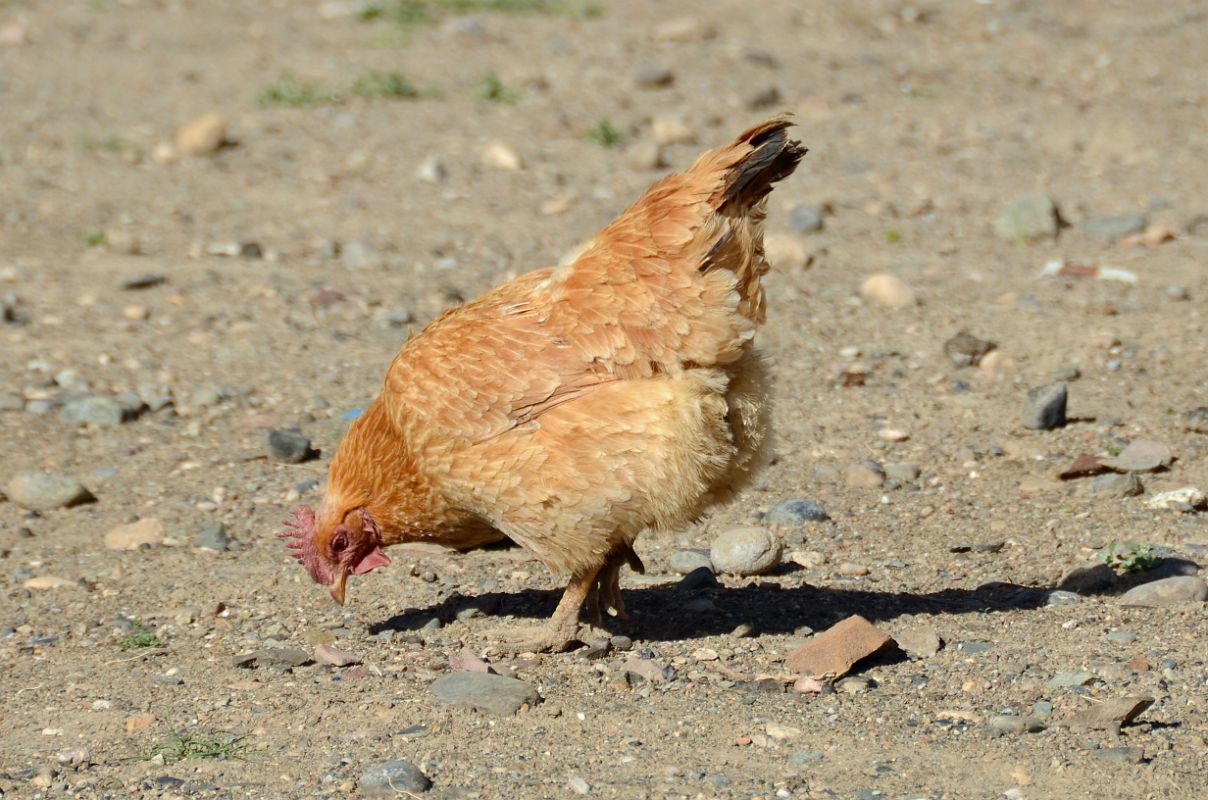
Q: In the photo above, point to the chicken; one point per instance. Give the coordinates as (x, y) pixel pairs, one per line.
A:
(573, 407)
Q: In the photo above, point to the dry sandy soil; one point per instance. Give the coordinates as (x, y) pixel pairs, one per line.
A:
(357, 206)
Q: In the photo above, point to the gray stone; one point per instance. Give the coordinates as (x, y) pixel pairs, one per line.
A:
(1004, 724)
(1116, 226)
(1028, 217)
(805, 219)
(358, 255)
(1064, 680)
(803, 758)
(685, 561)
(966, 350)
(212, 535)
(1120, 755)
(1088, 579)
(143, 281)
(699, 578)
(745, 551)
(494, 694)
(1117, 485)
(1165, 592)
(42, 492)
(392, 778)
(1045, 408)
(206, 396)
(920, 642)
(1121, 637)
(292, 447)
(1060, 597)
(11, 402)
(795, 512)
(1197, 419)
(905, 471)
(95, 411)
(650, 76)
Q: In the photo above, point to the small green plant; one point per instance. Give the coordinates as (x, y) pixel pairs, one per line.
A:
(389, 85)
(93, 237)
(1129, 556)
(289, 92)
(141, 636)
(427, 12)
(111, 145)
(198, 744)
(1113, 449)
(892, 236)
(493, 90)
(606, 134)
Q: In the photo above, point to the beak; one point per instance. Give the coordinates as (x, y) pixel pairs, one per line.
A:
(337, 588)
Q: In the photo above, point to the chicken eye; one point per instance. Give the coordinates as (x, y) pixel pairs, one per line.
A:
(339, 543)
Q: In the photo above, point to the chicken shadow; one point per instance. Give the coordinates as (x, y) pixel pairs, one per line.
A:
(695, 609)
(671, 612)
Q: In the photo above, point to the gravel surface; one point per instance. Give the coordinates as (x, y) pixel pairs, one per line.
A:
(218, 221)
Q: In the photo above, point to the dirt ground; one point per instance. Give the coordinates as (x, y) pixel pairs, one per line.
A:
(345, 202)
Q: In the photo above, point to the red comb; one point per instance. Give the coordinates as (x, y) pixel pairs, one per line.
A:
(299, 535)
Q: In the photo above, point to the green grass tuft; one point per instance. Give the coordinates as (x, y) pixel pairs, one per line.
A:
(93, 237)
(289, 92)
(1129, 556)
(389, 85)
(197, 745)
(493, 90)
(605, 134)
(140, 637)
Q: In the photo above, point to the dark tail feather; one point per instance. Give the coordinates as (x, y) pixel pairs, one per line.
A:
(773, 158)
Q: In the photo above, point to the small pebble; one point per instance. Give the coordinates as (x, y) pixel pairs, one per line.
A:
(650, 76)
(805, 219)
(289, 446)
(1027, 217)
(1045, 407)
(888, 290)
(795, 512)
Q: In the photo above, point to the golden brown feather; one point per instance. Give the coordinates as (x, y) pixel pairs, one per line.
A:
(573, 407)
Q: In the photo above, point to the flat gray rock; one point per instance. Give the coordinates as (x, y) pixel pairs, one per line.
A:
(1028, 217)
(394, 778)
(494, 694)
(1168, 591)
(42, 492)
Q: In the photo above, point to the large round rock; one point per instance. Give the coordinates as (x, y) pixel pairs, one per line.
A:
(745, 551)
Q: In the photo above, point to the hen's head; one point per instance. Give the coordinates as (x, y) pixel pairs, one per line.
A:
(333, 549)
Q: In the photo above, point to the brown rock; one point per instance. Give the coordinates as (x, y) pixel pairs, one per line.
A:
(1110, 714)
(203, 136)
(47, 582)
(1084, 466)
(834, 651)
(334, 656)
(139, 722)
(149, 531)
(466, 661)
(868, 475)
(887, 290)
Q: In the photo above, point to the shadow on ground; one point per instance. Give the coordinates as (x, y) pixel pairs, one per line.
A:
(671, 612)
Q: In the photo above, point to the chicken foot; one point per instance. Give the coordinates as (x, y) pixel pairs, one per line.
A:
(562, 630)
(605, 593)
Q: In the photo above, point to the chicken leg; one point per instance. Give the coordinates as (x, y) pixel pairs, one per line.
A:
(562, 630)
